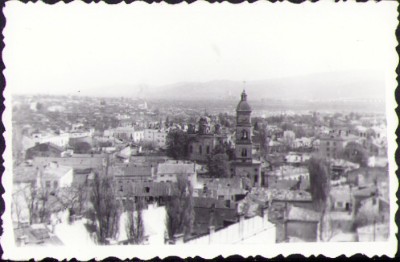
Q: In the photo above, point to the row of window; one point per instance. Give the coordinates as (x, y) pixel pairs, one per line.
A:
(169, 175)
(255, 169)
(208, 150)
(329, 155)
(328, 143)
(55, 184)
(145, 189)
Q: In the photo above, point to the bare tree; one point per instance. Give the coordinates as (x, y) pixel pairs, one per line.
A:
(134, 224)
(74, 197)
(356, 153)
(30, 195)
(16, 207)
(180, 209)
(81, 191)
(263, 133)
(42, 206)
(320, 179)
(106, 208)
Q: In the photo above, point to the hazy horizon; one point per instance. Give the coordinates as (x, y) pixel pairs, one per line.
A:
(100, 49)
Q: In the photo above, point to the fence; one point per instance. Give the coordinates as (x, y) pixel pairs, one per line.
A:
(237, 232)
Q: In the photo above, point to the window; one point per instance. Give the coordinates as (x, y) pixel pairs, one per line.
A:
(55, 184)
(244, 152)
(200, 150)
(48, 184)
(208, 149)
(245, 134)
(147, 189)
(121, 188)
(190, 149)
(327, 143)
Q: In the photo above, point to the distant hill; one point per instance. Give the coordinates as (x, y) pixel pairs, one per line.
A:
(324, 86)
(335, 86)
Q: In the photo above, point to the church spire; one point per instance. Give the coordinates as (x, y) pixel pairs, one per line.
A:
(244, 95)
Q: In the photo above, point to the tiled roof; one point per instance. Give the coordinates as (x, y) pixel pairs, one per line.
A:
(302, 214)
(179, 168)
(55, 172)
(289, 195)
(24, 174)
(365, 192)
(341, 193)
(131, 170)
(37, 235)
(208, 202)
(76, 161)
(234, 182)
(155, 189)
(47, 145)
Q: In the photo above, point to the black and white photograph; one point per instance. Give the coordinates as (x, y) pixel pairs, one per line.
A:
(250, 129)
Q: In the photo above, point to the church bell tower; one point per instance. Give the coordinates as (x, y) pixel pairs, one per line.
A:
(243, 148)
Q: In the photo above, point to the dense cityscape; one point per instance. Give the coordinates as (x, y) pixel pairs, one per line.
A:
(124, 171)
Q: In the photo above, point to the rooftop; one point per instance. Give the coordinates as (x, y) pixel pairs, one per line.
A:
(176, 168)
(208, 202)
(302, 214)
(24, 174)
(75, 161)
(37, 234)
(289, 195)
(55, 171)
(132, 170)
(46, 147)
(243, 106)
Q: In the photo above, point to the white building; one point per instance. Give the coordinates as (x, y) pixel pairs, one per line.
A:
(125, 133)
(60, 140)
(170, 170)
(303, 142)
(138, 136)
(159, 137)
(53, 176)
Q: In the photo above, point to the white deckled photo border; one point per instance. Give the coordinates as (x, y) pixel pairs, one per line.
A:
(389, 247)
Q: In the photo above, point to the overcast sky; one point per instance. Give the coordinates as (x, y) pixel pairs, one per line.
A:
(68, 47)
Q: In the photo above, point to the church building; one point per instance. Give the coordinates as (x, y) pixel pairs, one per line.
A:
(244, 165)
(204, 140)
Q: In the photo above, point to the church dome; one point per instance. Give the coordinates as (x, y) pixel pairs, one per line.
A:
(243, 105)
